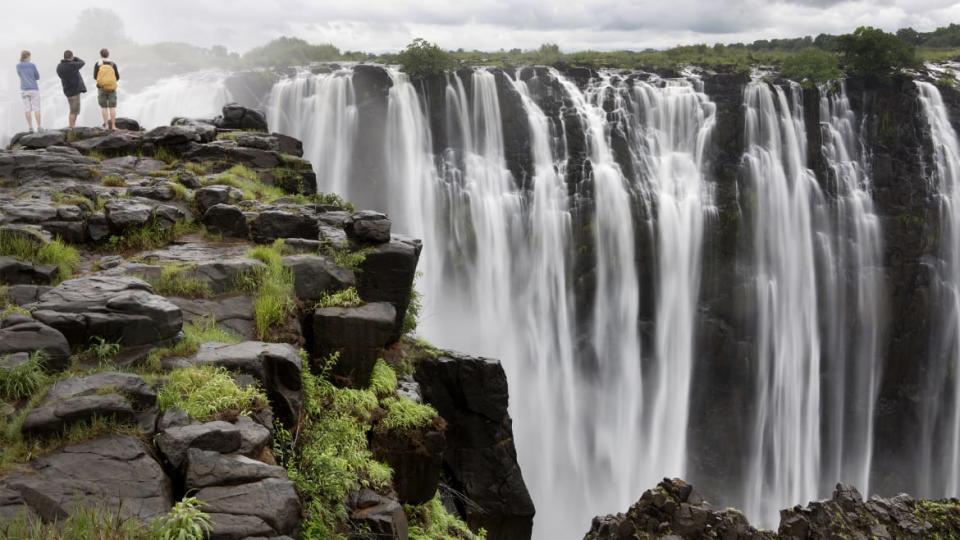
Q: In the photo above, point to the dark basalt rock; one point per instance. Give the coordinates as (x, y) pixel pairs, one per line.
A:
(380, 515)
(118, 308)
(128, 124)
(236, 116)
(416, 458)
(229, 151)
(387, 275)
(284, 223)
(206, 130)
(112, 144)
(480, 458)
(272, 500)
(205, 468)
(23, 334)
(218, 436)
(115, 473)
(41, 140)
(368, 226)
(358, 334)
(16, 272)
(226, 220)
(314, 275)
(52, 162)
(123, 396)
(124, 214)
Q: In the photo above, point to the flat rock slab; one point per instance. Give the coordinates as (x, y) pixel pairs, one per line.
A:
(273, 500)
(217, 436)
(114, 308)
(205, 468)
(21, 334)
(123, 396)
(233, 312)
(116, 473)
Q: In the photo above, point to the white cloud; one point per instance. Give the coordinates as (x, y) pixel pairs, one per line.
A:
(379, 25)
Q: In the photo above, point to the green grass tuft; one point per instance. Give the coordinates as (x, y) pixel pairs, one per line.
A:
(383, 381)
(404, 415)
(23, 380)
(175, 281)
(55, 252)
(153, 236)
(113, 180)
(347, 258)
(273, 302)
(199, 331)
(345, 298)
(431, 521)
(248, 181)
(208, 392)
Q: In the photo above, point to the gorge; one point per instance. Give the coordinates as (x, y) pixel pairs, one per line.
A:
(736, 279)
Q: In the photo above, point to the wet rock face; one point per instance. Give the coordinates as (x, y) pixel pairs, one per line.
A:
(21, 334)
(480, 456)
(357, 334)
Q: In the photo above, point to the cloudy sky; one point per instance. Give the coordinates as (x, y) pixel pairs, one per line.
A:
(382, 25)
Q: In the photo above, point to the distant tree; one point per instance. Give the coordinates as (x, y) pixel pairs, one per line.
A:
(422, 58)
(548, 54)
(98, 28)
(873, 53)
(826, 42)
(287, 51)
(910, 36)
(811, 66)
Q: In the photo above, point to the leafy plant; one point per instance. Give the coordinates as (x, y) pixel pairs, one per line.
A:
(24, 379)
(412, 315)
(104, 350)
(345, 298)
(431, 521)
(185, 521)
(206, 392)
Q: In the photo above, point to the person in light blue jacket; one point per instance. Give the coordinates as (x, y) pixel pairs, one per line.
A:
(29, 89)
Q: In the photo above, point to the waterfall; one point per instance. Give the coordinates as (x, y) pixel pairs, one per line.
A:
(940, 459)
(319, 110)
(785, 461)
(855, 284)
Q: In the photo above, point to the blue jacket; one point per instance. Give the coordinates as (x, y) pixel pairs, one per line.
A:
(28, 76)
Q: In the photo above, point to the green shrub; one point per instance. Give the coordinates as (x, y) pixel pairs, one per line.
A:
(330, 457)
(345, 298)
(289, 51)
(422, 58)
(812, 66)
(873, 53)
(383, 380)
(185, 521)
(404, 415)
(55, 253)
(274, 302)
(431, 521)
(207, 392)
(24, 380)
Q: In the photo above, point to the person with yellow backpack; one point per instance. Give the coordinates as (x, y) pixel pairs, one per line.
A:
(107, 76)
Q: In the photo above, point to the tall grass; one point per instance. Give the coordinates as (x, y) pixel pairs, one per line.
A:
(55, 253)
(273, 302)
(207, 392)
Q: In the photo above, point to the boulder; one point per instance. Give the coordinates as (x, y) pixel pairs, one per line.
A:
(233, 312)
(358, 334)
(128, 124)
(205, 468)
(210, 196)
(276, 365)
(239, 527)
(16, 272)
(381, 516)
(42, 139)
(218, 436)
(253, 436)
(114, 308)
(416, 457)
(125, 214)
(314, 275)
(52, 162)
(288, 145)
(284, 223)
(160, 191)
(123, 396)
(368, 226)
(229, 151)
(113, 143)
(174, 136)
(273, 500)
(25, 294)
(236, 116)
(19, 334)
(387, 274)
(226, 220)
(116, 473)
(206, 130)
(480, 457)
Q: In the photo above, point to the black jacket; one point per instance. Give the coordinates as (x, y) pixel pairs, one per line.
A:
(69, 73)
(96, 68)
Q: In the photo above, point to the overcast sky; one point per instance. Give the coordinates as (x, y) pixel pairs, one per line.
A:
(383, 25)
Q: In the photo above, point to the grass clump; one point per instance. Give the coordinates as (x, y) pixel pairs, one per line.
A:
(273, 303)
(405, 415)
(329, 457)
(165, 155)
(346, 258)
(200, 330)
(943, 515)
(432, 521)
(23, 380)
(199, 169)
(383, 380)
(152, 236)
(345, 298)
(248, 181)
(55, 252)
(175, 280)
(208, 392)
(113, 180)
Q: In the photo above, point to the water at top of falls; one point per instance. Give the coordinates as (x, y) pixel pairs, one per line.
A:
(320, 110)
(785, 461)
(940, 461)
(855, 250)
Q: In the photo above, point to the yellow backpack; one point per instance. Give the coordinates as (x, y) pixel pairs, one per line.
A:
(107, 78)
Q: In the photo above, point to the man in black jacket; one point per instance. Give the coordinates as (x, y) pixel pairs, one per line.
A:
(69, 73)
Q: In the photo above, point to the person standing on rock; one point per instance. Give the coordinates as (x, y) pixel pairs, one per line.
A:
(107, 75)
(72, 81)
(29, 89)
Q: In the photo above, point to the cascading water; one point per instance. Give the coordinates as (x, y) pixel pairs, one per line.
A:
(785, 461)
(320, 110)
(940, 459)
(855, 290)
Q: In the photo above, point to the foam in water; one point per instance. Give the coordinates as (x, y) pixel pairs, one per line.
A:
(785, 461)
(940, 459)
